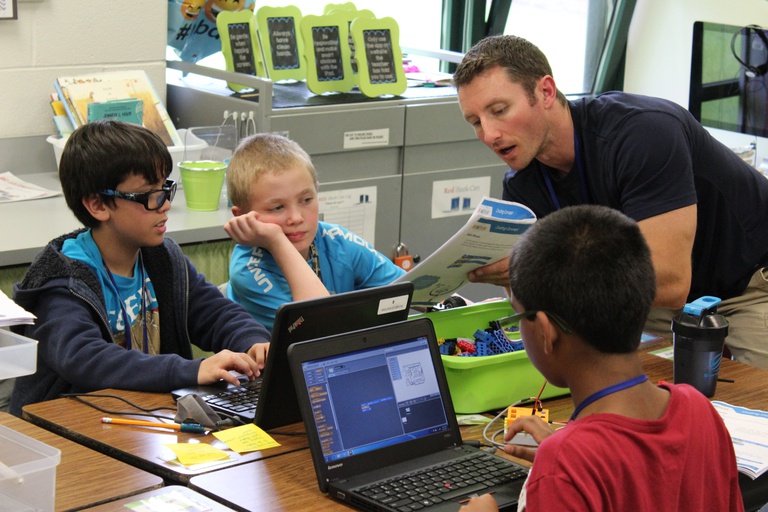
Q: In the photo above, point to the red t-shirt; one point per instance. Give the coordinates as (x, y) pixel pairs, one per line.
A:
(683, 461)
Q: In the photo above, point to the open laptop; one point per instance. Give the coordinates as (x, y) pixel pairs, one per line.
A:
(377, 408)
(270, 400)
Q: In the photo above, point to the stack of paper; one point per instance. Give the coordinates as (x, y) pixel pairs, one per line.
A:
(15, 189)
(487, 237)
(749, 431)
(13, 314)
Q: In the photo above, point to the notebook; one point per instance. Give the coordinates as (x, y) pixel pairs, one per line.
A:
(270, 401)
(376, 406)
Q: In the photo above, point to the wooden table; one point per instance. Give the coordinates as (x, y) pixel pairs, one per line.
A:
(85, 477)
(285, 483)
(141, 446)
(748, 389)
(288, 483)
(173, 491)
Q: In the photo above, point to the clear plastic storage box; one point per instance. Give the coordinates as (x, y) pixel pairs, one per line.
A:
(27, 473)
(27, 466)
(191, 151)
(18, 355)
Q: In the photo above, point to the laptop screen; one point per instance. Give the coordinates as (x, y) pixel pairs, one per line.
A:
(374, 398)
(316, 318)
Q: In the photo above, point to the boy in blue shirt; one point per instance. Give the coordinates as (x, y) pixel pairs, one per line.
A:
(283, 252)
(118, 305)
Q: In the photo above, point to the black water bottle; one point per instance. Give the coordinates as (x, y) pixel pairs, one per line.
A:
(698, 335)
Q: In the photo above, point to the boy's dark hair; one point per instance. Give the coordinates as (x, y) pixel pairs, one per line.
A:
(523, 61)
(591, 266)
(102, 154)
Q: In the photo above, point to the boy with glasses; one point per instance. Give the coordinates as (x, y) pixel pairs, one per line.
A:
(583, 282)
(118, 305)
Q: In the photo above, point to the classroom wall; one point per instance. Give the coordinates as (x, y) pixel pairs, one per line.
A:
(53, 38)
(659, 45)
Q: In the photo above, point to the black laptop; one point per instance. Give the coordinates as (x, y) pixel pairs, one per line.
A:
(381, 425)
(270, 401)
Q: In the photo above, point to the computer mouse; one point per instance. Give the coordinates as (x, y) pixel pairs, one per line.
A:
(523, 439)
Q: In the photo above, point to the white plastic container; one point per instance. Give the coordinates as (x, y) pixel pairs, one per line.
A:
(178, 153)
(27, 473)
(18, 355)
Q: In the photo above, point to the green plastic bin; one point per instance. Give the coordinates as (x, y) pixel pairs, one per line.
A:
(486, 383)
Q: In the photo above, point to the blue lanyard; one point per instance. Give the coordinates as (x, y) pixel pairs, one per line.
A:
(579, 169)
(126, 320)
(634, 381)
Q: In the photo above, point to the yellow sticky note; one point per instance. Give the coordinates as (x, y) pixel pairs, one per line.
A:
(190, 454)
(246, 438)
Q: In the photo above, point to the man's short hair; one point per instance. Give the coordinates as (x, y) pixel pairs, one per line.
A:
(102, 154)
(591, 266)
(522, 60)
(260, 154)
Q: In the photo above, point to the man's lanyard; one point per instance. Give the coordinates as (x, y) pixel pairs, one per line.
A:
(579, 165)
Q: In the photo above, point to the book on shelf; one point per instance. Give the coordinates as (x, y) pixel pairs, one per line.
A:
(488, 236)
(63, 125)
(78, 92)
(69, 107)
(128, 110)
(57, 106)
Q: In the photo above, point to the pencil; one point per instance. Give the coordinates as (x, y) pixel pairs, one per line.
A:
(183, 427)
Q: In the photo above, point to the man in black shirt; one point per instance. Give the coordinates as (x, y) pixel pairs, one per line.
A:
(702, 210)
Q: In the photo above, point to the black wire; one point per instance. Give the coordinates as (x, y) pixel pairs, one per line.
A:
(756, 70)
(147, 411)
(230, 419)
(281, 433)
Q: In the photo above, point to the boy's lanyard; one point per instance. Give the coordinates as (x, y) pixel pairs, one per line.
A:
(314, 260)
(579, 169)
(126, 320)
(634, 381)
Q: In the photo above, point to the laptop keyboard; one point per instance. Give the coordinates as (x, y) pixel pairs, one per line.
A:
(422, 489)
(238, 400)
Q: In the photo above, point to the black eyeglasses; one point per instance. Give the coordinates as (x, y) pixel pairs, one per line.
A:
(152, 200)
(512, 322)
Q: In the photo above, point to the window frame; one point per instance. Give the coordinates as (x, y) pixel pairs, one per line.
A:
(464, 23)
